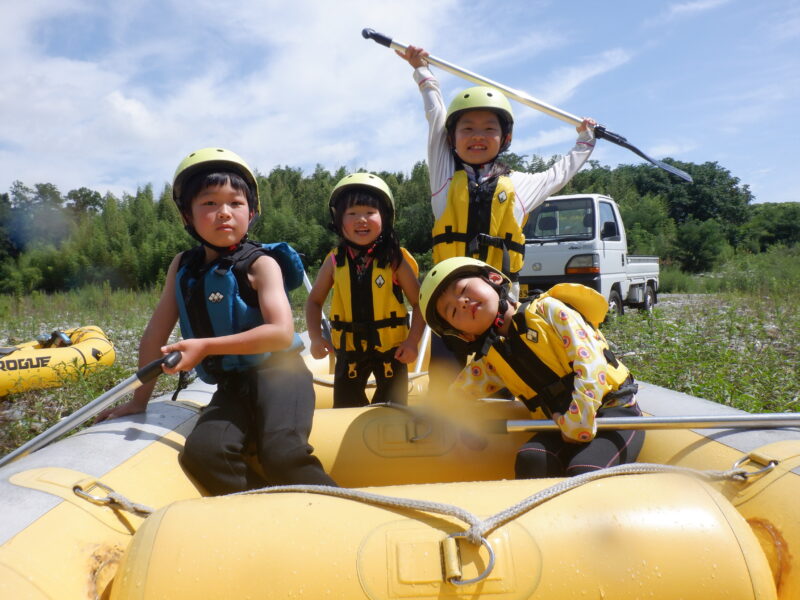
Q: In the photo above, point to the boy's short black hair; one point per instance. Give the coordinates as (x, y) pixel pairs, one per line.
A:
(202, 180)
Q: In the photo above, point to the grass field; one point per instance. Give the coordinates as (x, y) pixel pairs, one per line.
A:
(732, 340)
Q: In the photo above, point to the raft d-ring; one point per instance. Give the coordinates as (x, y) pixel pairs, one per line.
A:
(99, 500)
(414, 434)
(745, 475)
(452, 560)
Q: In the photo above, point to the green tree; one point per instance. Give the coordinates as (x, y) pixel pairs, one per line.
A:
(414, 216)
(8, 248)
(700, 245)
(772, 224)
(649, 227)
(84, 201)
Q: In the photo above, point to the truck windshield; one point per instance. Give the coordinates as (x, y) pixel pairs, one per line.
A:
(571, 219)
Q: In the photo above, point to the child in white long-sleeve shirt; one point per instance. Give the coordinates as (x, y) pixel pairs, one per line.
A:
(479, 205)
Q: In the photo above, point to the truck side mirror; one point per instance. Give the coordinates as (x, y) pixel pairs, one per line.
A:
(609, 230)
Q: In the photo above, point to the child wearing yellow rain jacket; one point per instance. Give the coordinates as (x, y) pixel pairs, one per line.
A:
(547, 353)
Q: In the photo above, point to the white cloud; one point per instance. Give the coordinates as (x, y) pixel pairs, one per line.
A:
(691, 8)
(560, 139)
(112, 95)
(567, 80)
(685, 10)
(312, 91)
(787, 26)
(673, 149)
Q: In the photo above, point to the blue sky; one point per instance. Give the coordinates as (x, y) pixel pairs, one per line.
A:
(111, 95)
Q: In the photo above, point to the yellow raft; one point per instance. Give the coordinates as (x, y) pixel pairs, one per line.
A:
(427, 510)
(31, 365)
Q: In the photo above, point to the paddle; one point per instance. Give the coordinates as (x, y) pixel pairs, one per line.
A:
(326, 326)
(145, 374)
(749, 421)
(600, 132)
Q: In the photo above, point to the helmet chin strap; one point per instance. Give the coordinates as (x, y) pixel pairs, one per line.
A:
(364, 253)
(368, 249)
(484, 342)
(221, 249)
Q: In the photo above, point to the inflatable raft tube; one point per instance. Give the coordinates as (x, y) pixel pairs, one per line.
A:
(56, 543)
(656, 536)
(31, 366)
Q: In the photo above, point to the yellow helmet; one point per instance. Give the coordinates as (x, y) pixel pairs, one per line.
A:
(207, 159)
(480, 97)
(367, 181)
(439, 277)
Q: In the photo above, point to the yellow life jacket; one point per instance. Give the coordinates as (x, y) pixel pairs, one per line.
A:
(532, 360)
(368, 312)
(479, 221)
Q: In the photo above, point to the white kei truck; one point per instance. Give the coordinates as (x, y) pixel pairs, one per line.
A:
(581, 239)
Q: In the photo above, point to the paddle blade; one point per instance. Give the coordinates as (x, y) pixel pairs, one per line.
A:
(601, 133)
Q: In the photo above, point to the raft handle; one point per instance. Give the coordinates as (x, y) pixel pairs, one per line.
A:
(101, 501)
(767, 465)
(112, 499)
(452, 560)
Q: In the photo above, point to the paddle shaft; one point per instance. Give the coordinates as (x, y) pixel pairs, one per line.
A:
(600, 132)
(423, 348)
(326, 326)
(86, 412)
(749, 421)
(517, 95)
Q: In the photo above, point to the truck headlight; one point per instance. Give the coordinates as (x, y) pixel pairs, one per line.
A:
(583, 263)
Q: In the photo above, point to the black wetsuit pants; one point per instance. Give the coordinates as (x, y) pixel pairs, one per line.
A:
(547, 455)
(353, 370)
(270, 410)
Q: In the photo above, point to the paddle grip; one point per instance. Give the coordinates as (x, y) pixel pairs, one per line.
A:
(383, 40)
(152, 370)
(601, 133)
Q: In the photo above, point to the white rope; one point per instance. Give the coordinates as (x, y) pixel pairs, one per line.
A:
(479, 528)
(491, 523)
(376, 499)
(119, 501)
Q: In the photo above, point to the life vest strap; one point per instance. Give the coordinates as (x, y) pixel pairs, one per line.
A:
(353, 326)
(553, 392)
(484, 239)
(477, 245)
(476, 242)
(367, 332)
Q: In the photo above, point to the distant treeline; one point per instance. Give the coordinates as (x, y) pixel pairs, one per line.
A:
(50, 241)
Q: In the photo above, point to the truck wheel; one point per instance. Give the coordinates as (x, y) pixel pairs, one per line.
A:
(614, 304)
(649, 299)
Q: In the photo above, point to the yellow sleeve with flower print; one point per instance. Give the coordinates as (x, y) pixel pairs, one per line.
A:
(477, 380)
(583, 349)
